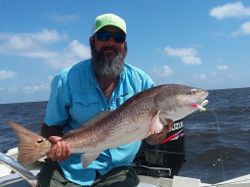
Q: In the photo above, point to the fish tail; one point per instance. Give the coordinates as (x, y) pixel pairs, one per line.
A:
(31, 145)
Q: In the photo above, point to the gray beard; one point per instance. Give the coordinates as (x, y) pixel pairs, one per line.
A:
(105, 67)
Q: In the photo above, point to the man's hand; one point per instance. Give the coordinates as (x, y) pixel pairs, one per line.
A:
(160, 137)
(59, 149)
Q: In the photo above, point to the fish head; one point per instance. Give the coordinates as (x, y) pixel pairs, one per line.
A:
(178, 101)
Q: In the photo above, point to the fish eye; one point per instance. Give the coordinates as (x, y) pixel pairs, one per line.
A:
(193, 91)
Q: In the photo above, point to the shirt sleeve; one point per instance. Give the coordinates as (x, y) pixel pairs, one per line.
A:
(148, 83)
(57, 111)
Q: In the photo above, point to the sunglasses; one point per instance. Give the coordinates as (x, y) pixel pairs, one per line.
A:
(105, 36)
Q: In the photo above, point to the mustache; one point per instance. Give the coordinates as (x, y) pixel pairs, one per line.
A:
(109, 48)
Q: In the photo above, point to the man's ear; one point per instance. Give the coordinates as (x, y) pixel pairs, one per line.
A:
(91, 40)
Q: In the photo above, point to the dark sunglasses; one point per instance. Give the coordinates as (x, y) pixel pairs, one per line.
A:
(105, 36)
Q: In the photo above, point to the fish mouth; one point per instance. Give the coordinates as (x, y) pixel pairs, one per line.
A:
(201, 106)
(201, 102)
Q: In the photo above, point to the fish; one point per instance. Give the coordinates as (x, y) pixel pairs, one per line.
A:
(19, 169)
(142, 115)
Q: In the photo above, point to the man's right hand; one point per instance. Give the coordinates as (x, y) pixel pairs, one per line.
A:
(59, 150)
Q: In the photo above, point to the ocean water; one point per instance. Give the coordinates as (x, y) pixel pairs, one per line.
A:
(217, 141)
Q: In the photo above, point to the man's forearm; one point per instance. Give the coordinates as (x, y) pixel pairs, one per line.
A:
(47, 131)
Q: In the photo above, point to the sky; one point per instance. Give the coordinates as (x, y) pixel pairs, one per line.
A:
(201, 43)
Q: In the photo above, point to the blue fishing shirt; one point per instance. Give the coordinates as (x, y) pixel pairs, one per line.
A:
(76, 97)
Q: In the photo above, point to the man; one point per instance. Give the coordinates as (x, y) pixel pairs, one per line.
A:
(101, 83)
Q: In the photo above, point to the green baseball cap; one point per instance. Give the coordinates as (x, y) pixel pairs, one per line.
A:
(109, 19)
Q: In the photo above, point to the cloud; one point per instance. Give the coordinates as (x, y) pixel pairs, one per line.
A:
(206, 77)
(29, 44)
(63, 18)
(35, 45)
(243, 30)
(72, 54)
(213, 74)
(35, 88)
(236, 9)
(164, 71)
(47, 36)
(27, 89)
(4, 74)
(187, 55)
(222, 67)
(201, 77)
(41, 53)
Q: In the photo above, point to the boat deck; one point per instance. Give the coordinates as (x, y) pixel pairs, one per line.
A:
(14, 180)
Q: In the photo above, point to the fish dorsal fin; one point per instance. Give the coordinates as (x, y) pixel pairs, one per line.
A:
(87, 158)
(98, 117)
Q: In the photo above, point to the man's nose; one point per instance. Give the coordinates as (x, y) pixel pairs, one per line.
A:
(110, 41)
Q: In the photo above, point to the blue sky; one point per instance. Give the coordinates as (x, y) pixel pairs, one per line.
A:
(201, 43)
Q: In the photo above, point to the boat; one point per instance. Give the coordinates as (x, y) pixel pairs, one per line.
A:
(11, 178)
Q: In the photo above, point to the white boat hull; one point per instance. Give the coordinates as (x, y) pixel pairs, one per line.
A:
(10, 179)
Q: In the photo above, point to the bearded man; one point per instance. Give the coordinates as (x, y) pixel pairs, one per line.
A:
(82, 91)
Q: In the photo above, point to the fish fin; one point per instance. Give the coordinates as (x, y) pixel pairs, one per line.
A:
(31, 145)
(87, 158)
(156, 125)
(98, 117)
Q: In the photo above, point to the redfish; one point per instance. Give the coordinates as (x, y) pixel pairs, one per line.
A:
(142, 115)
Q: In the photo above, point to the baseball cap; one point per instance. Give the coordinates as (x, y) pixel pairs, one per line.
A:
(109, 19)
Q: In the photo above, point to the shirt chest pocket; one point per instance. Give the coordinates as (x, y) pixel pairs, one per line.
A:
(84, 106)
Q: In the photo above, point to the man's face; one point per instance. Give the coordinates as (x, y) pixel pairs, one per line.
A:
(109, 49)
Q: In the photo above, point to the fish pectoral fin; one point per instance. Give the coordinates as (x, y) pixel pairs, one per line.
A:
(87, 158)
(156, 125)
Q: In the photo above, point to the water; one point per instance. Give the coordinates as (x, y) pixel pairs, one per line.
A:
(217, 143)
